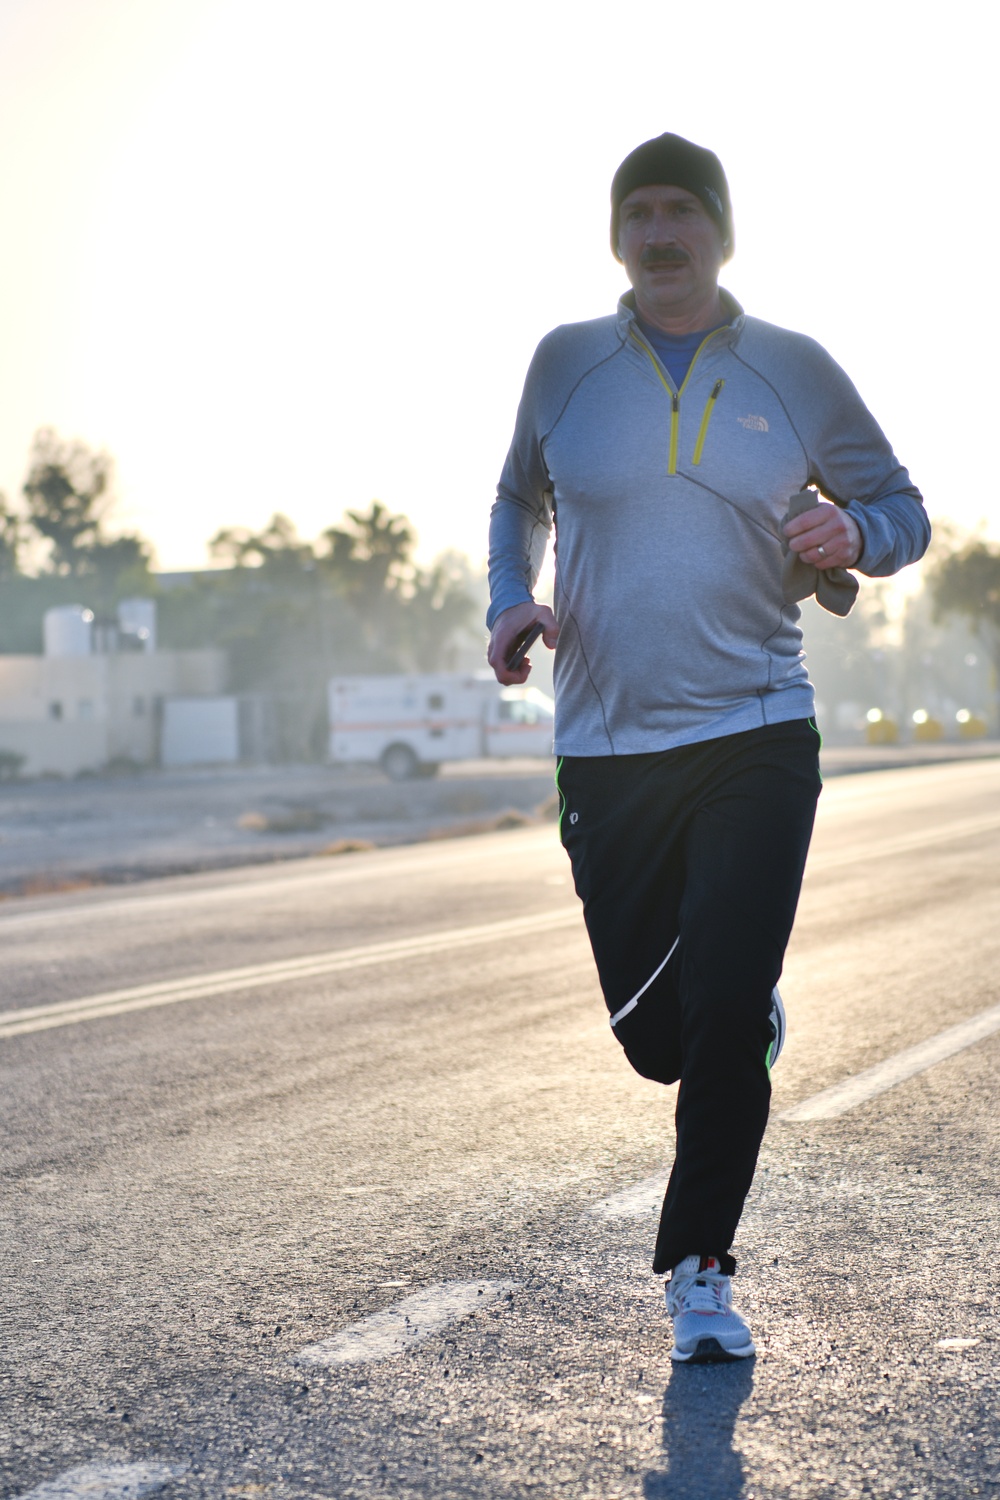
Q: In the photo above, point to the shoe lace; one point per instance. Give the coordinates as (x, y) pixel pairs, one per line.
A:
(708, 1292)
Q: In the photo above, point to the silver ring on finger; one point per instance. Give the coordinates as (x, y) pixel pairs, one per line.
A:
(821, 550)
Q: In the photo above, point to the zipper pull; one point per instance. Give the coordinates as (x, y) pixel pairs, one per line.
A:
(717, 387)
(675, 401)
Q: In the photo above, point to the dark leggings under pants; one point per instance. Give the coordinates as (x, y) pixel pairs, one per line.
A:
(696, 853)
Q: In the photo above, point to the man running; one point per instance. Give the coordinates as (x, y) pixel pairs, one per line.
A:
(703, 470)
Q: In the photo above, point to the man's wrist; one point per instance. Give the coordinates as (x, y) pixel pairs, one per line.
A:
(502, 604)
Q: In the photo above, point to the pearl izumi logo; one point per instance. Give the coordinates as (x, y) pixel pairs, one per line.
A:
(754, 424)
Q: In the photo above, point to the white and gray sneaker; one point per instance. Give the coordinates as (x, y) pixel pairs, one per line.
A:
(780, 1026)
(707, 1328)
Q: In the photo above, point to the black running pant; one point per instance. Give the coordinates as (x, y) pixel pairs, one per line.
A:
(689, 864)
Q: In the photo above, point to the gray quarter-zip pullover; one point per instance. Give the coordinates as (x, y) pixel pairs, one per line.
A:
(667, 506)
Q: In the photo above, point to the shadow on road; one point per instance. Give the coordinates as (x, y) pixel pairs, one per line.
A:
(700, 1408)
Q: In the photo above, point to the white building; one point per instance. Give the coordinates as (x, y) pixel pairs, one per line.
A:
(74, 710)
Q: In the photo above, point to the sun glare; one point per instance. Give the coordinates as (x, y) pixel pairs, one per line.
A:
(297, 259)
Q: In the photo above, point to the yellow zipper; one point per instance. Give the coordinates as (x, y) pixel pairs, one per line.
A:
(675, 396)
(675, 425)
(706, 417)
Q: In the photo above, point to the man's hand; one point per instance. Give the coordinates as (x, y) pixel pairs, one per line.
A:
(827, 537)
(506, 630)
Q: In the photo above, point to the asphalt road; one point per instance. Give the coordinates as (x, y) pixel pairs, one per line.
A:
(328, 1179)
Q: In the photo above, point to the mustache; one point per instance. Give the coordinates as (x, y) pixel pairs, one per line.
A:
(663, 255)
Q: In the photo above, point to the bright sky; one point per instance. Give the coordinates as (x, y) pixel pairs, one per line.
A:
(295, 256)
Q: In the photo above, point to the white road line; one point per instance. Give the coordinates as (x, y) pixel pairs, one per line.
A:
(645, 1197)
(319, 872)
(906, 843)
(225, 981)
(853, 1091)
(632, 1202)
(107, 1482)
(404, 1325)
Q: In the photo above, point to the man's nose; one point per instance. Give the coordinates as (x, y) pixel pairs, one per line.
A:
(660, 230)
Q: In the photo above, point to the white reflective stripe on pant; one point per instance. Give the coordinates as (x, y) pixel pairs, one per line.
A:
(630, 1005)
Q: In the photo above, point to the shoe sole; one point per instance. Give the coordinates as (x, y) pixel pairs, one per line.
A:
(711, 1352)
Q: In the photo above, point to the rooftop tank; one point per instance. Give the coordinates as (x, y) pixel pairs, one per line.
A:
(67, 630)
(137, 620)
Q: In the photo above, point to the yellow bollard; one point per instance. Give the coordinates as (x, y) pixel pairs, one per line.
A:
(970, 726)
(926, 727)
(880, 730)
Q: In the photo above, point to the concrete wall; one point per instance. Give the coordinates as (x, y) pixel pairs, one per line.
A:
(200, 732)
(70, 714)
(56, 749)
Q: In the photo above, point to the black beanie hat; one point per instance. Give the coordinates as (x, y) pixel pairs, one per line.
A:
(671, 161)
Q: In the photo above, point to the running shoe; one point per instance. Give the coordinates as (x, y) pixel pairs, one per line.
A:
(707, 1329)
(780, 1026)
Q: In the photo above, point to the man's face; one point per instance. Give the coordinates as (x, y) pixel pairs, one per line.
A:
(671, 248)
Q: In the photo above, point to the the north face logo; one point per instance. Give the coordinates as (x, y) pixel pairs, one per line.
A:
(754, 424)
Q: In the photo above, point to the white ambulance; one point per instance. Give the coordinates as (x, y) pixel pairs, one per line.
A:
(411, 725)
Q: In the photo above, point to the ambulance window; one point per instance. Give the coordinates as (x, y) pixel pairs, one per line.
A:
(518, 711)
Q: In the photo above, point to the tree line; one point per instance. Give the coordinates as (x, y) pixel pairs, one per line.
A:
(291, 612)
(288, 611)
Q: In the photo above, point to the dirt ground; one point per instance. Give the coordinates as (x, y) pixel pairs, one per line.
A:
(64, 834)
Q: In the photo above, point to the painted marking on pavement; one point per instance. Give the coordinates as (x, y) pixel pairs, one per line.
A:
(197, 987)
(107, 1482)
(194, 987)
(404, 1325)
(321, 873)
(957, 1343)
(632, 1202)
(225, 981)
(645, 1197)
(841, 1097)
(962, 828)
